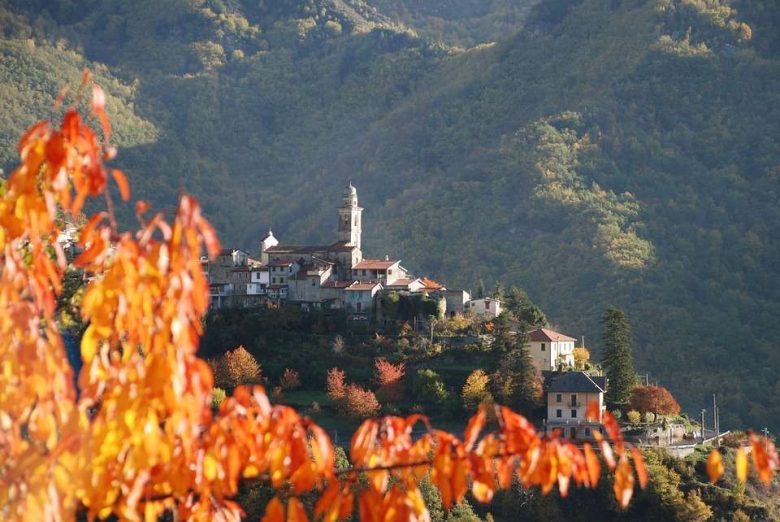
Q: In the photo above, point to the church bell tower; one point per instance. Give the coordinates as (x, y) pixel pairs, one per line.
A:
(350, 227)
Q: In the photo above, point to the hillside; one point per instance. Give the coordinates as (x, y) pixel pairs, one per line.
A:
(618, 152)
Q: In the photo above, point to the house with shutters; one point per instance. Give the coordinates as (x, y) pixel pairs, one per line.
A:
(568, 397)
(550, 350)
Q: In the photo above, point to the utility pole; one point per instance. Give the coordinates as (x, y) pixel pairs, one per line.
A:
(702, 425)
(716, 421)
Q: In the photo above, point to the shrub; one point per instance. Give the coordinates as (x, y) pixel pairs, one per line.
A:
(634, 417)
(475, 390)
(217, 396)
(335, 385)
(429, 388)
(290, 380)
(360, 403)
(581, 357)
(389, 377)
(338, 344)
(235, 368)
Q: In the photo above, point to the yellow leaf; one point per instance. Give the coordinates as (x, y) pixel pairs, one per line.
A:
(741, 465)
(210, 467)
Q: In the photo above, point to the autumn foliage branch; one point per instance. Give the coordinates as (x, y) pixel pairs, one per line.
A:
(140, 439)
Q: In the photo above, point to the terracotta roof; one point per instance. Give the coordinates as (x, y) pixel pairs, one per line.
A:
(577, 382)
(430, 284)
(545, 334)
(362, 287)
(402, 282)
(375, 264)
(277, 287)
(292, 249)
(241, 269)
(337, 284)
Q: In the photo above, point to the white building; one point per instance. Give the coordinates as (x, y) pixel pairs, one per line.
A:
(550, 350)
(487, 307)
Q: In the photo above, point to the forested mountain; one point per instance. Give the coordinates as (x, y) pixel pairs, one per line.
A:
(602, 152)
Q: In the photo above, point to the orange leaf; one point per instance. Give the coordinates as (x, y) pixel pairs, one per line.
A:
(121, 181)
(639, 465)
(141, 207)
(714, 466)
(764, 457)
(362, 442)
(592, 465)
(274, 511)
(475, 425)
(98, 99)
(295, 511)
(624, 482)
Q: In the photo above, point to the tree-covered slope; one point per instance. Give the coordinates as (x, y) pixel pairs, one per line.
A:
(620, 152)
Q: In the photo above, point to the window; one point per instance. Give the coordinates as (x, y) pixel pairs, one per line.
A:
(359, 306)
(573, 399)
(558, 397)
(573, 433)
(364, 272)
(273, 280)
(573, 414)
(542, 346)
(312, 282)
(559, 413)
(587, 432)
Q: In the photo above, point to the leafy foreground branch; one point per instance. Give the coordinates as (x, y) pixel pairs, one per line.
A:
(140, 439)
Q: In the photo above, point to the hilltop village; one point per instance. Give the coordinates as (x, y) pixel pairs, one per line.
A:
(334, 276)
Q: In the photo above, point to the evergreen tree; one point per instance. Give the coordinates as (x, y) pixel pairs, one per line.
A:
(480, 289)
(498, 291)
(617, 358)
(524, 310)
(515, 382)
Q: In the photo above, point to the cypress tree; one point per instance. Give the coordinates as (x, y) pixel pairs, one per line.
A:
(617, 358)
